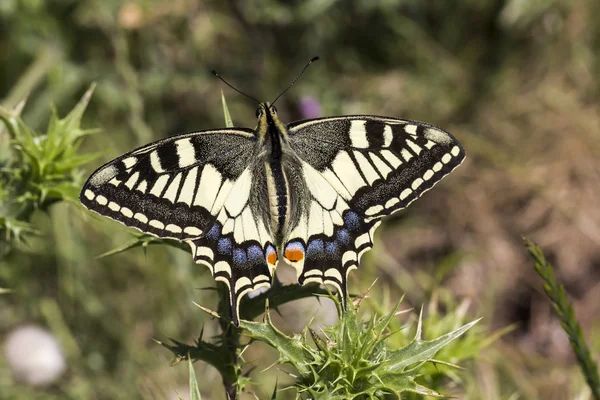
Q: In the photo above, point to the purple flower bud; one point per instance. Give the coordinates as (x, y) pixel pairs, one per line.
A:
(309, 107)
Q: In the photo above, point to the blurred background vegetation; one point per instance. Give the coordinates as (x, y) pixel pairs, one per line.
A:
(516, 81)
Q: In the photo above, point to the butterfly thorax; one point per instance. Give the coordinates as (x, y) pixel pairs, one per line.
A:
(272, 136)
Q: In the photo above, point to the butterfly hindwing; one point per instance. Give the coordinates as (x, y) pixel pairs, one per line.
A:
(173, 188)
(367, 167)
(238, 246)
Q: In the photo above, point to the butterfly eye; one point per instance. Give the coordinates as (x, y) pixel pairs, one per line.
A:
(273, 110)
(259, 112)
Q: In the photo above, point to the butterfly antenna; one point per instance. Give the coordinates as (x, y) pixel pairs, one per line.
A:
(298, 77)
(239, 91)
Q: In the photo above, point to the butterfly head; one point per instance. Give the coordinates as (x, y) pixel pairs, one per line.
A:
(268, 120)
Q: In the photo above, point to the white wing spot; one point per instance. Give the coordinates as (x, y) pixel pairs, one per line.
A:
(226, 188)
(417, 182)
(315, 219)
(190, 230)
(141, 217)
(156, 224)
(391, 158)
(437, 136)
(345, 169)
(185, 152)
(189, 185)
(455, 151)
(383, 168)
(437, 167)
(387, 136)
(428, 175)
(143, 186)
(429, 144)
(392, 202)
(366, 168)
(406, 154)
(127, 212)
(171, 192)
(173, 228)
(240, 283)
(132, 180)
(362, 239)
(89, 194)
(155, 162)
(238, 197)
(348, 256)
(114, 206)
(101, 200)
(446, 158)
(318, 186)
(313, 272)
(334, 273)
(411, 129)
(228, 226)
(336, 183)
(103, 176)
(415, 147)
(210, 182)
(374, 210)
(205, 252)
(358, 134)
(159, 185)
(238, 231)
(223, 266)
(405, 193)
(129, 162)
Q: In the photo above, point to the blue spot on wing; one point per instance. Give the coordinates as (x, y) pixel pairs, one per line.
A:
(315, 247)
(239, 256)
(224, 246)
(214, 232)
(295, 246)
(255, 253)
(343, 236)
(352, 220)
(331, 247)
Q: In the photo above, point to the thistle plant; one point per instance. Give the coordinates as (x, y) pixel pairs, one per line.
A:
(39, 170)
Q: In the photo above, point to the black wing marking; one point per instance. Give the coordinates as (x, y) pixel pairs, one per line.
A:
(173, 188)
(376, 166)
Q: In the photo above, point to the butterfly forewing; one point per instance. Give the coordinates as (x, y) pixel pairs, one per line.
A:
(364, 168)
(173, 188)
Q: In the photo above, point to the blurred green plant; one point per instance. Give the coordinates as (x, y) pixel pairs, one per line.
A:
(40, 169)
(564, 309)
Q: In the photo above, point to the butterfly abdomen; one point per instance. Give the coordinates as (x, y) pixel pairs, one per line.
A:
(278, 189)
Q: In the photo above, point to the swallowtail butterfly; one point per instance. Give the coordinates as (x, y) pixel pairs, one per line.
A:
(312, 192)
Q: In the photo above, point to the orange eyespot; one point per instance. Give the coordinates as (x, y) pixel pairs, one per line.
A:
(294, 254)
(272, 258)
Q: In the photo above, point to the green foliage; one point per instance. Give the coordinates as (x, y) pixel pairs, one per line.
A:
(194, 390)
(564, 309)
(351, 359)
(228, 120)
(41, 169)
